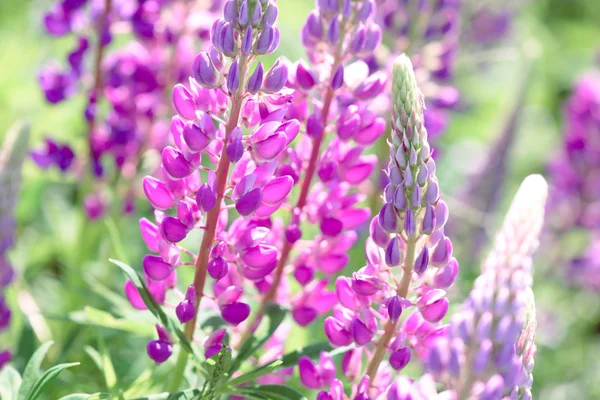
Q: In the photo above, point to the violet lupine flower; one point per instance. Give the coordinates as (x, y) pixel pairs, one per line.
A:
(132, 80)
(12, 153)
(410, 261)
(332, 82)
(575, 173)
(429, 32)
(53, 154)
(488, 351)
(188, 196)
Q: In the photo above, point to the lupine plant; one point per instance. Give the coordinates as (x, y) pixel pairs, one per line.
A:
(126, 89)
(12, 153)
(575, 174)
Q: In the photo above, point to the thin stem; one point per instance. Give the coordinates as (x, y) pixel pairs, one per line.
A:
(212, 220)
(390, 327)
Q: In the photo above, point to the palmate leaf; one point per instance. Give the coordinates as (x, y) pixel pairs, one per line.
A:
(275, 314)
(155, 309)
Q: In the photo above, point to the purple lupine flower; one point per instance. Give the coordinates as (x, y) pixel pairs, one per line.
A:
(321, 89)
(12, 153)
(488, 348)
(131, 81)
(405, 254)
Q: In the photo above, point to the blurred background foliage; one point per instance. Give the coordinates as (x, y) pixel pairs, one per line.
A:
(66, 281)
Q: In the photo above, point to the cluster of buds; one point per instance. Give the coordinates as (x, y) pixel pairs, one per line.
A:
(410, 261)
(488, 350)
(12, 153)
(132, 80)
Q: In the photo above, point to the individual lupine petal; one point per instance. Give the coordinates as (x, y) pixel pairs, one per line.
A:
(394, 308)
(235, 313)
(157, 193)
(217, 268)
(175, 163)
(293, 233)
(253, 236)
(205, 73)
(434, 305)
(244, 16)
(233, 78)
(249, 202)
(257, 14)
(173, 230)
(346, 294)
(331, 226)
(442, 253)
(365, 285)
(422, 261)
(213, 343)
(159, 350)
(377, 234)
(309, 375)
(259, 256)
(365, 11)
(150, 234)
(387, 218)
(235, 150)
(255, 80)
(393, 252)
(445, 276)
(276, 77)
(313, 25)
(206, 198)
(333, 34)
(230, 11)
(360, 333)
(246, 46)
(265, 40)
(400, 358)
(270, 148)
(372, 87)
(304, 77)
(227, 40)
(409, 222)
(184, 102)
(429, 220)
(304, 274)
(336, 332)
(156, 268)
(441, 213)
(338, 78)
(304, 315)
(372, 39)
(314, 125)
(185, 311)
(194, 138)
(277, 190)
(133, 295)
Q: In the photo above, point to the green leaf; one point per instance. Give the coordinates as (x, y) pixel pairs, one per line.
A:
(255, 373)
(275, 314)
(189, 394)
(33, 370)
(311, 351)
(102, 360)
(155, 308)
(47, 377)
(10, 381)
(271, 392)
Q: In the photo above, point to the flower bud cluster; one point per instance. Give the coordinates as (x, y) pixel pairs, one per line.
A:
(488, 350)
(410, 263)
(12, 153)
(132, 80)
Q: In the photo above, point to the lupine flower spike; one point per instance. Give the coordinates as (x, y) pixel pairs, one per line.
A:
(12, 153)
(488, 351)
(410, 261)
